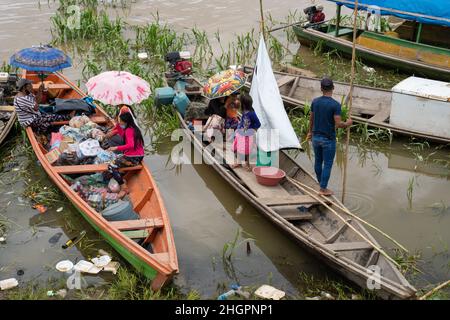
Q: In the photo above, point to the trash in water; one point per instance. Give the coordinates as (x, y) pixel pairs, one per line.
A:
(101, 261)
(239, 210)
(8, 284)
(313, 298)
(368, 69)
(20, 272)
(326, 295)
(64, 266)
(59, 209)
(113, 266)
(2, 239)
(62, 293)
(54, 239)
(16, 169)
(238, 290)
(235, 289)
(225, 295)
(87, 267)
(269, 292)
(103, 252)
(40, 207)
(142, 55)
(74, 240)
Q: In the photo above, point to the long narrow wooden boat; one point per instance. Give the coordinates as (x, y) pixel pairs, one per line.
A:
(147, 243)
(384, 50)
(6, 127)
(318, 230)
(371, 106)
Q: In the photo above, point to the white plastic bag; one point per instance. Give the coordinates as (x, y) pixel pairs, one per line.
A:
(113, 186)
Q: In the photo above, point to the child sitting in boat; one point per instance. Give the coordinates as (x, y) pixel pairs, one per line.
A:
(132, 150)
(244, 140)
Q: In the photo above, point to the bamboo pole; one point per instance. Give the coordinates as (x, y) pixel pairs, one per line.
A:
(344, 221)
(343, 208)
(350, 100)
(263, 26)
(439, 287)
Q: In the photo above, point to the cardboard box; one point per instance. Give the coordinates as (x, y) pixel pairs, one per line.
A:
(53, 155)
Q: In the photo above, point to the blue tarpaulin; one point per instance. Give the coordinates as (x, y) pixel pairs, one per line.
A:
(426, 11)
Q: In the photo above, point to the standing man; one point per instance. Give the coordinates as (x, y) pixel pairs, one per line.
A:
(324, 120)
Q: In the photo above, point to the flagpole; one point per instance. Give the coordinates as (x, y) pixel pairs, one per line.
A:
(262, 19)
(350, 100)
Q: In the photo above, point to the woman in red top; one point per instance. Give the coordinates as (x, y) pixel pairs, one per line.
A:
(133, 149)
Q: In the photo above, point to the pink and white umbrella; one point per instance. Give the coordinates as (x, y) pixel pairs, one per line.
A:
(118, 87)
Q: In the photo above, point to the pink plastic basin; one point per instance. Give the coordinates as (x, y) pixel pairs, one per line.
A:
(268, 176)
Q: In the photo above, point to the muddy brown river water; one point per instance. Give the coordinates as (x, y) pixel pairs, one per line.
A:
(205, 211)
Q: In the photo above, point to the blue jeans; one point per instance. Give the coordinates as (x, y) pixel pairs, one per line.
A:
(324, 152)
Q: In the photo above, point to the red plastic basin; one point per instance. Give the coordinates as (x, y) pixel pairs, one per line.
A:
(268, 176)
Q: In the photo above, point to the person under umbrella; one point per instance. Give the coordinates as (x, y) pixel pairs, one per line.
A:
(27, 108)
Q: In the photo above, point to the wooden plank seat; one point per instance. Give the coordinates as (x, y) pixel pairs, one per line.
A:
(382, 115)
(162, 257)
(136, 234)
(297, 216)
(90, 168)
(138, 224)
(349, 246)
(95, 119)
(7, 108)
(285, 80)
(289, 200)
(53, 86)
(342, 32)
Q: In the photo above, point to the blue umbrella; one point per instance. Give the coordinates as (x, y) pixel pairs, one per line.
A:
(40, 59)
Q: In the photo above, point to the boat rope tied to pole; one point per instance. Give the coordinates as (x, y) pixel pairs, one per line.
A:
(431, 292)
(338, 205)
(350, 98)
(379, 249)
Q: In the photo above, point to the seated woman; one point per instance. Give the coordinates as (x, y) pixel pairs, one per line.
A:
(132, 150)
(27, 108)
(232, 106)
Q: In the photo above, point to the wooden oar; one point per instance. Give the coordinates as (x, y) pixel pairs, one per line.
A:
(352, 215)
(439, 287)
(344, 221)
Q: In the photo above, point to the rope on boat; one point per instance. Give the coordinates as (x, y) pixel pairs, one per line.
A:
(350, 98)
(379, 249)
(343, 208)
(431, 292)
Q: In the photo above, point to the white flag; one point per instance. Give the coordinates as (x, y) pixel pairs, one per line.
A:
(276, 130)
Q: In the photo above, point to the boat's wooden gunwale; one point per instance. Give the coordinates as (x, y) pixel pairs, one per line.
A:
(8, 127)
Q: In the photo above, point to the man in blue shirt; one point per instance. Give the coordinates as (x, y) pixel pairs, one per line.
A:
(325, 118)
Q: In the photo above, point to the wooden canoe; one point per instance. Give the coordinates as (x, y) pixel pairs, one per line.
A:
(371, 106)
(387, 51)
(6, 127)
(318, 230)
(155, 256)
